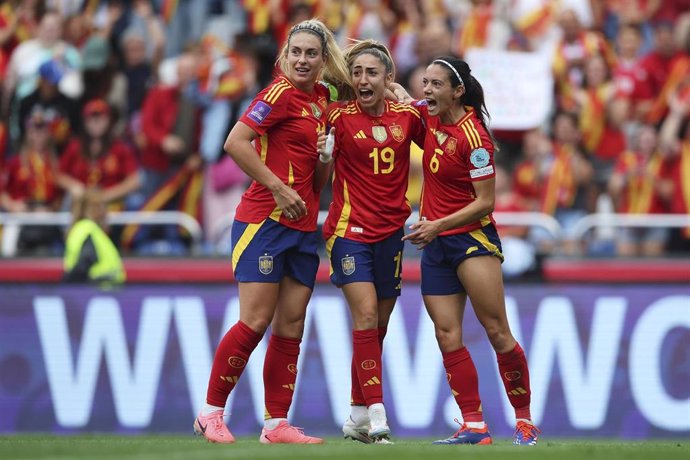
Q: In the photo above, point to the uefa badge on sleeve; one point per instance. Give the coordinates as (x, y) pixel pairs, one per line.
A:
(348, 264)
(265, 264)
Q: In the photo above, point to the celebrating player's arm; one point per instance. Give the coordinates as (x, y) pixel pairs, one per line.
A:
(240, 146)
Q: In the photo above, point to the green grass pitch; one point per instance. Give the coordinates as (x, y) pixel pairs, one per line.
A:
(103, 447)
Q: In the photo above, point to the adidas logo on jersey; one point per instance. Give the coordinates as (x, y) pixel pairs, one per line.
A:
(360, 135)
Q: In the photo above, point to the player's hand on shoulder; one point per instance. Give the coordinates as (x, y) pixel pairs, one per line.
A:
(396, 92)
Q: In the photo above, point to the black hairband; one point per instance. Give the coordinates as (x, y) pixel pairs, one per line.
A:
(306, 27)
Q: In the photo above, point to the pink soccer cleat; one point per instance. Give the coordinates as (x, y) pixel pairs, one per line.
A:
(285, 433)
(213, 428)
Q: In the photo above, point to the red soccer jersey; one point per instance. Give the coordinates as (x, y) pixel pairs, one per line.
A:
(106, 171)
(288, 122)
(372, 163)
(454, 157)
(31, 178)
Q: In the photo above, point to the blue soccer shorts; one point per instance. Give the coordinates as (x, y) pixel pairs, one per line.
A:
(267, 251)
(441, 257)
(379, 263)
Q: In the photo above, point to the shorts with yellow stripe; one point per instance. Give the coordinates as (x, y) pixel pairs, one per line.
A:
(266, 251)
(441, 257)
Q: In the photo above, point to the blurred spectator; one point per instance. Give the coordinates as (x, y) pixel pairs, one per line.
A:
(29, 184)
(675, 138)
(529, 174)
(63, 111)
(18, 23)
(657, 66)
(102, 80)
(138, 71)
(636, 188)
(565, 178)
(601, 118)
(170, 157)
(90, 254)
(678, 76)
(22, 73)
(229, 81)
(482, 24)
(97, 158)
(576, 46)
(519, 254)
(185, 20)
(628, 74)
(434, 39)
(406, 20)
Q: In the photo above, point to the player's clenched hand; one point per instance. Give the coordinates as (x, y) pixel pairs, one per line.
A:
(423, 233)
(290, 202)
(324, 145)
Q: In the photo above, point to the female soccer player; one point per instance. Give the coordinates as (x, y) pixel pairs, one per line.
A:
(277, 142)
(365, 221)
(462, 252)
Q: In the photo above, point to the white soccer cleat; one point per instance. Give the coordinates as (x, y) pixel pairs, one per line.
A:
(378, 426)
(356, 432)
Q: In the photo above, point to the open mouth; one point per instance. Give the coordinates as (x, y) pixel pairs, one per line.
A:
(302, 70)
(366, 95)
(431, 103)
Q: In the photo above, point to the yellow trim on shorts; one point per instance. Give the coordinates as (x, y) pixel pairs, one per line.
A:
(329, 249)
(244, 241)
(480, 236)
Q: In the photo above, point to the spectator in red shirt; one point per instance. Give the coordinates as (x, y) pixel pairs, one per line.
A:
(29, 184)
(657, 65)
(98, 159)
(636, 187)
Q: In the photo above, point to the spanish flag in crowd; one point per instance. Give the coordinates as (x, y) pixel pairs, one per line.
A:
(535, 23)
(684, 172)
(678, 81)
(639, 195)
(186, 185)
(560, 188)
(475, 31)
(169, 9)
(593, 117)
(258, 15)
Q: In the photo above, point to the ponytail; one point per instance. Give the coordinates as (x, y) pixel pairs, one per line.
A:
(460, 75)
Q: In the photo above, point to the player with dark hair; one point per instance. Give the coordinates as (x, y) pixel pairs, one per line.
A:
(462, 251)
(365, 221)
(277, 143)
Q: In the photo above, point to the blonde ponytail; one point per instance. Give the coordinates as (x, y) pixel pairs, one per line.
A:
(335, 70)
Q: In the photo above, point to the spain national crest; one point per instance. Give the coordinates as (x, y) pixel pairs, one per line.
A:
(348, 264)
(397, 132)
(379, 133)
(451, 146)
(266, 264)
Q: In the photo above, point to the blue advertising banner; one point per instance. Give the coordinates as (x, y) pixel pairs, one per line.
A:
(605, 360)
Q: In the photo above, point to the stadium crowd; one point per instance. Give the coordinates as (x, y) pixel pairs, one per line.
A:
(133, 99)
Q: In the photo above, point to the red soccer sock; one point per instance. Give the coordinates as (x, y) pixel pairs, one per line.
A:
(515, 377)
(356, 394)
(229, 362)
(366, 354)
(280, 374)
(382, 335)
(464, 383)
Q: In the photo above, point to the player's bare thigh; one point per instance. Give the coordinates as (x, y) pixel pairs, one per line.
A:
(446, 312)
(483, 281)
